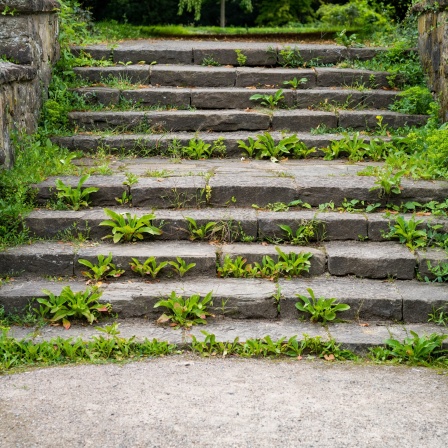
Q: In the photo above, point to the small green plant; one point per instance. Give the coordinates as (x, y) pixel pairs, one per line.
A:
(75, 198)
(240, 58)
(103, 269)
(126, 198)
(197, 149)
(420, 350)
(70, 304)
(347, 41)
(303, 234)
(270, 101)
(127, 227)
(131, 179)
(439, 271)
(295, 83)
(197, 232)
(321, 309)
(209, 61)
(265, 147)
(387, 182)
(148, 267)
(439, 316)
(180, 266)
(185, 312)
(407, 232)
(290, 57)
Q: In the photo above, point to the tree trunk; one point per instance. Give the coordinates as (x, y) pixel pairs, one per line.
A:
(222, 20)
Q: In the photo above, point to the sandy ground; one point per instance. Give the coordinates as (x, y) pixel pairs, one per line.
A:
(186, 401)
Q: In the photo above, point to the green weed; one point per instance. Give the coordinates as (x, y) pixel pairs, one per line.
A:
(270, 101)
(185, 312)
(103, 269)
(70, 304)
(148, 267)
(127, 227)
(320, 309)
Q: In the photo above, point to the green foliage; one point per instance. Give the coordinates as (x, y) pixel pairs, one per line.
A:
(288, 265)
(185, 312)
(439, 271)
(197, 149)
(264, 146)
(305, 232)
(105, 268)
(284, 12)
(209, 61)
(408, 232)
(180, 266)
(70, 304)
(321, 309)
(295, 83)
(387, 182)
(439, 316)
(270, 101)
(127, 227)
(357, 13)
(197, 232)
(148, 267)
(347, 41)
(75, 198)
(420, 350)
(16, 353)
(414, 100)
(266, 347)
(240, 57)
(290, 57)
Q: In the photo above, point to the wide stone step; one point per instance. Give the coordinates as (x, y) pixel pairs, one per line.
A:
(370, 300)
(224, 53)
(159, 144)
(199, 76)
(237, 98)
(297, 120)
(349, 335)
(61, 259)
(235, 183)
(237, 225)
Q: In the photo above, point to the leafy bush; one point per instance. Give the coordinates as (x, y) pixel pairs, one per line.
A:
(356, 13)
(414, 100)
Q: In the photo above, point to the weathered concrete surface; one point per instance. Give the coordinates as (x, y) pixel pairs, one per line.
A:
(368, 299)
(371, 260)
(136, 74)
(315, 402)
(223, 120)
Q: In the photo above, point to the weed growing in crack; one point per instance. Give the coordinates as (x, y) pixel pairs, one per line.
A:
(320, 309)
(185, 312)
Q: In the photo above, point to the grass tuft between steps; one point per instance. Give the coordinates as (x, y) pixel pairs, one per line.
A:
(108, 346)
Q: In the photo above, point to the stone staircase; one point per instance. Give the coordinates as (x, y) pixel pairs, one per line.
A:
(177, 100)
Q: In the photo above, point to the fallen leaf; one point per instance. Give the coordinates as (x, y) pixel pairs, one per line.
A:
(329, 357)
(65, 324)
(163, 319)
(251, 88)
(363, 324)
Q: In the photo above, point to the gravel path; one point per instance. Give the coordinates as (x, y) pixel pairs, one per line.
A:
(185, 401)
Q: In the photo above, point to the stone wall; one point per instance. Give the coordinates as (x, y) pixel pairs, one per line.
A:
(28, 48)
(433, 47)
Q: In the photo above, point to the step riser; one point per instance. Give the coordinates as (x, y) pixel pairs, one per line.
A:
(237, 99)
(256, 54)
(299, 120)
(366, 260)
(255, 299)
(159, 144)
(183, 76)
